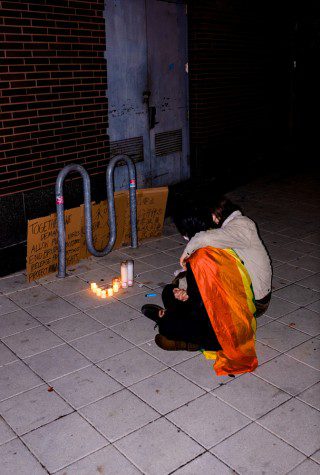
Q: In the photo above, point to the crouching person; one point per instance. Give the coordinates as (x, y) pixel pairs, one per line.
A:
(212, 307)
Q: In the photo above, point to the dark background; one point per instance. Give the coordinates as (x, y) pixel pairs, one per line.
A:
(254, 101)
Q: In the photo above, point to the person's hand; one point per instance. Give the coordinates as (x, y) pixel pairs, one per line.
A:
(183, 261)
(180, 294)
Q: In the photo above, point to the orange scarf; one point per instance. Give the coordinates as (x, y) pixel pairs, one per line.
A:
(227, 294)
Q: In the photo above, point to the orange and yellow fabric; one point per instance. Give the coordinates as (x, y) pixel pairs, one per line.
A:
(226, 291)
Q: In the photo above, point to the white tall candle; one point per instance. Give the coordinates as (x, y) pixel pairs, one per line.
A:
(124, 274)
(130, 272)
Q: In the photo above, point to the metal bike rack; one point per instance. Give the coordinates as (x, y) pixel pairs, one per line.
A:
(87, 209)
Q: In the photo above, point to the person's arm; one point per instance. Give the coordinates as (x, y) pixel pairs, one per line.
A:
(230, 237)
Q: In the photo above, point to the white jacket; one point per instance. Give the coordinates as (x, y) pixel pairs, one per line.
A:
(239, 233)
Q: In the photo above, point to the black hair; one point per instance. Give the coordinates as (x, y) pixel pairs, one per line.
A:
(222, 207)
(191, 218)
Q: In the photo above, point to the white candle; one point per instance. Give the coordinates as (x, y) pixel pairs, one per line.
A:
(124, 274)
(110, 292)
(130, 273)
(116, 287)
(98, 292)
(93, 286)
(103, 294)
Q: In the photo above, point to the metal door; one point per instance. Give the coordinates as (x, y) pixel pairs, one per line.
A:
(168, 84)
(147, 89)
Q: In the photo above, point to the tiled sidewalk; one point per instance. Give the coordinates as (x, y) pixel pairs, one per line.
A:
(84, 390)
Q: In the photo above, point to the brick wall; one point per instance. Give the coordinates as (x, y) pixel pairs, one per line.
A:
(53, 90)
(234, 80)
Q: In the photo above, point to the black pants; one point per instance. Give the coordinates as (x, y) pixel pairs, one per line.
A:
(187, 321)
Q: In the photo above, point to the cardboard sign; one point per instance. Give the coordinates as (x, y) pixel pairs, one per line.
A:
(42, 242)
(151, 207)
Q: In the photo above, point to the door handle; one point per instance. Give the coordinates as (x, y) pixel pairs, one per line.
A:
(152, 117)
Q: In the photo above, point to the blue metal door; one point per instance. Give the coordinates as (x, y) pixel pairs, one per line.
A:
(147, 88)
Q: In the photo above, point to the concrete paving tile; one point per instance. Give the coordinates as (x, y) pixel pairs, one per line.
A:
(307, 262)
(296, 423)
(16, 458)
(135, 289)
(32, 341)
(6, 305)
(101, 345)
(288, 374)
(283, 254)
(6, 433)
(292, 273)
(85, 386)
(52, 364)
(206, 463)
(304, 320)
(265, 353)
(119, 414)
(316, 456)
(58, 308)
(176, 252)
(87, 299)
(308, 353)
(279, 307)
(200, 371)
(153, 279)
(108, 458)
(6, 355)
(311, 396)
(296, 294)
(34, 295)
(131, 366)
(63, 441)
(307, 467)
(102, 276)
(312, 282)
(251, 395)
(315, 306)
(159, 259)
(66, 286)
(169, 358)
(137, 301)
(33, 409)
(278, 283)
(15, 282)
(138, 266)
(15, 322)
(142, 251)
(166, 391)
(75, 326)
(208, 420)
(165, 244)
(15, 378)
(255, 450)
(138, 331)
(114, 313)
(280, 337)
(159, 448)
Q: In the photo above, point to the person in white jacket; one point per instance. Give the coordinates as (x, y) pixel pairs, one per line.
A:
(238, 232)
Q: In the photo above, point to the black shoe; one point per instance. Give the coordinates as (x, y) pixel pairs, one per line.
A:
(151, 311)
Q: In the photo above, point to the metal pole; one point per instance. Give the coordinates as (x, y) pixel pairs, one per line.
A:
(87, 209)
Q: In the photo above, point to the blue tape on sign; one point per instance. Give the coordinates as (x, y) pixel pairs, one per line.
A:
(151, 295)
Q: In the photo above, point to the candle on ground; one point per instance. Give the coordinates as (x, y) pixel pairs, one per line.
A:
(93, 286)
(130, 273)
(103, 294)
(98, 292)
(110, 292)
(124, 274)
